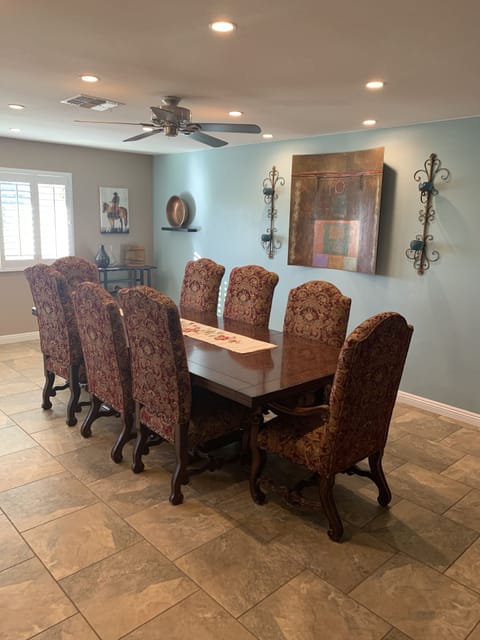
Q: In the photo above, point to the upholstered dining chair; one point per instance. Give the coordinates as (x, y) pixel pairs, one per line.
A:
(331, 439)
(200, 286)
(107, 360)
(319, 311)
(59, 339)
(76, 270)
(169, 405)
(249, 295)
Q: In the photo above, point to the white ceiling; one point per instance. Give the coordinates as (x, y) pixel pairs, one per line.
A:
(295, 68)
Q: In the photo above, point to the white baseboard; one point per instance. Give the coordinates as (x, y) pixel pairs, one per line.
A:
(19, 337)
(438, 407)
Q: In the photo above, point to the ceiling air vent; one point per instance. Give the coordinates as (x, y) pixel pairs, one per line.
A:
(91, 102)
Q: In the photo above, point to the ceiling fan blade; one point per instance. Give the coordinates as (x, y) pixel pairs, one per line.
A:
(203, 138)
(136, 124)
(143, 135)
(227, 127)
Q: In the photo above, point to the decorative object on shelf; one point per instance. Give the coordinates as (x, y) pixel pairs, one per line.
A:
(268, 240)
(102, 259)
(177, 212)
(418, 251)
(114, 216)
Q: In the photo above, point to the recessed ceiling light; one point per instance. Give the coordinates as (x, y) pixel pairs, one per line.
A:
(147, 128)
(14, 130)
(235, 114)
(17, 107)
(369, 123)
(375, 84)
(222, 26)
(267, 136)
(87, 77)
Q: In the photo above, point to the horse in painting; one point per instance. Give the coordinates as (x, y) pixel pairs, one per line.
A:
(115, 213)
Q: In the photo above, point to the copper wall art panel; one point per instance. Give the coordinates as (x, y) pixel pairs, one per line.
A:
(335, 209)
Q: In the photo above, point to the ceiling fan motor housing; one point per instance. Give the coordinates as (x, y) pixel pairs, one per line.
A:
(170, 130)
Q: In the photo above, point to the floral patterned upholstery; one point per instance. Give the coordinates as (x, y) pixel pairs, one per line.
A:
(201, 284)
(250, 294)
(76, 270)
(161, 383)
(332, 439)
(317, 310)
(59, 339)
(107, 358)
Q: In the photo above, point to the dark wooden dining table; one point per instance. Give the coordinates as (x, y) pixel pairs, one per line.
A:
(254, 379)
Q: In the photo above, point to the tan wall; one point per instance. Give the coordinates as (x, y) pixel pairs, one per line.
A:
(90, 169)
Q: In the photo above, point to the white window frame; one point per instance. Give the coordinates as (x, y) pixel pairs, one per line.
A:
(34, 178)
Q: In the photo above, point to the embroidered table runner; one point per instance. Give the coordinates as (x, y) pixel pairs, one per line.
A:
(226, 339)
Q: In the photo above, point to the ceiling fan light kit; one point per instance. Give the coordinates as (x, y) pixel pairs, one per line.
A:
(171, 119)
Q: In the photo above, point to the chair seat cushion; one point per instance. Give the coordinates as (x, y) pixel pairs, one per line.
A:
(211, 416)
(301, 440)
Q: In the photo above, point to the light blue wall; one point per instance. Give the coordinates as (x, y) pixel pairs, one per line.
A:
(224, 189)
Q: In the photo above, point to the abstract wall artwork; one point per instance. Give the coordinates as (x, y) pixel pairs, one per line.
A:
(335, 209)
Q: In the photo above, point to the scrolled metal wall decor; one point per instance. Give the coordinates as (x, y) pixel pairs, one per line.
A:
(268, 240)
(419, 251)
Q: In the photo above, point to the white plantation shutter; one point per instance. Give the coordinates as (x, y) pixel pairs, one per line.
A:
(36, 217)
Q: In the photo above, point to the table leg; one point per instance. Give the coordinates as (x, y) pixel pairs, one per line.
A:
(258, 459)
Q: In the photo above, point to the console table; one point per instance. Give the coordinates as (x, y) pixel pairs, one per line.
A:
(127, 275)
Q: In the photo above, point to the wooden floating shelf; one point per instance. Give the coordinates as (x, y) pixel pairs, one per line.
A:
(188, 229)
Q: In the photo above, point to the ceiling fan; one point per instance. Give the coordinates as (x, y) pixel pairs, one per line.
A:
(171, 120)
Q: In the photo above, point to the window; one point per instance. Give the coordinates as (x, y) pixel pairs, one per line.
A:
(36, 217)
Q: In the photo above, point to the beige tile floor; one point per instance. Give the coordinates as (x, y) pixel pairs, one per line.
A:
(89, 550)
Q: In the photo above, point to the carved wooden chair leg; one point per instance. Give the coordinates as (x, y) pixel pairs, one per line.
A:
(126, 435)
(259, 457)
(142, 435)
(92, 415)
(48, 392)
(325, 486)
(180, 475)
(73, 405)
(378, 476)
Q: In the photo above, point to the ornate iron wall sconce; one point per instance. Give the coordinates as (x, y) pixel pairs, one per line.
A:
(419, 252)
(268, 240)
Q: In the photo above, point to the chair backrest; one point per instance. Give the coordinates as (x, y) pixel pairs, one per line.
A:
(160, 377)
(201, 284)
(250, 294)
(365, 387)
(76, 270)
(104, 345)
(317, 310)
(57, 326)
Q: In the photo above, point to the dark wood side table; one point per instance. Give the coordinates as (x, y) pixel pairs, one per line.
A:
(128, 275)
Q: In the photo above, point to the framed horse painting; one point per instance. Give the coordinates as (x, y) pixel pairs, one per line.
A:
(114, 214)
